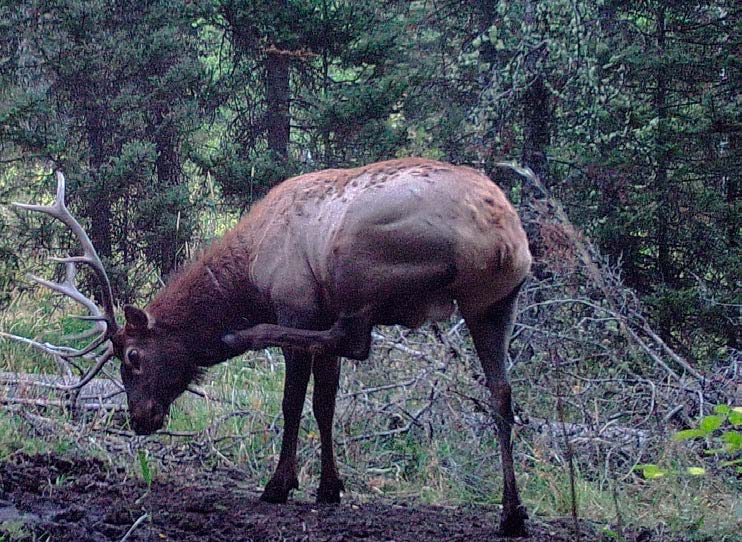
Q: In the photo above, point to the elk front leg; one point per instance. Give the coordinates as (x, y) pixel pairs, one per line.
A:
(326, 371)
(298, 369)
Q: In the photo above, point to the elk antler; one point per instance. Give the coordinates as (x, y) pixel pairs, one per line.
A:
(106, 324)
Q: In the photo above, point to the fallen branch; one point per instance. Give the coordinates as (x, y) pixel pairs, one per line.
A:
(136, 524)
(43, 390)
(61, 403)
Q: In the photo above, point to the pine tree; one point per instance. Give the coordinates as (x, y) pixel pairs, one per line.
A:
(312, 88)
(115, 89)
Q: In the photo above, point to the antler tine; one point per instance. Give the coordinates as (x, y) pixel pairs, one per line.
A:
(59, 210)
(68, 288)
(95, 315)
(63, 352)
(47, 348)
(87, 377)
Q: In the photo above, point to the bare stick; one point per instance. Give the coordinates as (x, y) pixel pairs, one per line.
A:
(137, 523)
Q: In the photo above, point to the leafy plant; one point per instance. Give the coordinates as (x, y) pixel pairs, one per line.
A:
(14, 531)
(145, 467)
(720, 430)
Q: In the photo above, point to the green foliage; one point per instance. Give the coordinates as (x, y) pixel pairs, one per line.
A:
(720, 431)
(145, 467)
(13, 438)
(313, 83)
(142, 105)
(650, 471)
(109, 95)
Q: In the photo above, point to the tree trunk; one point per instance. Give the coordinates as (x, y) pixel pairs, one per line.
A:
(536, 131)
(661, 179)
(729, 156)
(277, 102)
(99, 208)
(98, 201)
(168, 174)
(536, 127)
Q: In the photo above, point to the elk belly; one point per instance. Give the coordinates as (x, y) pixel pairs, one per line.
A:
(413, 313)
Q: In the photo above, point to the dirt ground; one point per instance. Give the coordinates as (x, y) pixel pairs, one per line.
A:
(48, 497)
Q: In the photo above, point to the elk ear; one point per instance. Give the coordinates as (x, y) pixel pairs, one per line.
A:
(137, 319)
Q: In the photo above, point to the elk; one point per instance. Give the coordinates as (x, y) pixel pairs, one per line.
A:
(312, 268)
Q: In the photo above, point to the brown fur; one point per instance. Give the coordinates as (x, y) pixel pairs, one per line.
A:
(313, 266)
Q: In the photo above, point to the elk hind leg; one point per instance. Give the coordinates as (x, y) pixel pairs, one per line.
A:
(352, 334)
(349, 336)
(491, 332)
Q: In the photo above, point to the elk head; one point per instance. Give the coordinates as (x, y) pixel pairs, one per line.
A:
(155, 366)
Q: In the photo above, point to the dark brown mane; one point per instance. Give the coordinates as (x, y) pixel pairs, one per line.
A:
(203, 292)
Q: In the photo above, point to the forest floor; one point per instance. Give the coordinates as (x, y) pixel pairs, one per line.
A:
(60, 498)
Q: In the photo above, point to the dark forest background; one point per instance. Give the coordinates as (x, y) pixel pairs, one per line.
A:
(164, 112)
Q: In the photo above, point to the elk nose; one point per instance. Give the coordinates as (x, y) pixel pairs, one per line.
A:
(147, 417)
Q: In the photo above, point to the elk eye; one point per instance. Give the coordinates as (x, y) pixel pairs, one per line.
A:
(134, 359)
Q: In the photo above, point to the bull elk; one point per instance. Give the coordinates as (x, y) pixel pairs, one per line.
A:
(312, 268)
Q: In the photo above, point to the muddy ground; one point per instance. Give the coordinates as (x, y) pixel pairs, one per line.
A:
(48, 497)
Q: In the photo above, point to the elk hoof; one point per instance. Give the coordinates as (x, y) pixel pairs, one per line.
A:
(513, 523)
(278, 489)
(329, 493)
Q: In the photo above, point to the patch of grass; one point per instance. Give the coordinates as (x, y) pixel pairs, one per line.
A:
(146, 469)
(41, 316)
(15, 437)
(14, 531)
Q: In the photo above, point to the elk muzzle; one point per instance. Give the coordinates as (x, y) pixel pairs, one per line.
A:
(147, 416)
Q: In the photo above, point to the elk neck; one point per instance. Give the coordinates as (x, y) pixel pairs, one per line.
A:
(209, 297)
